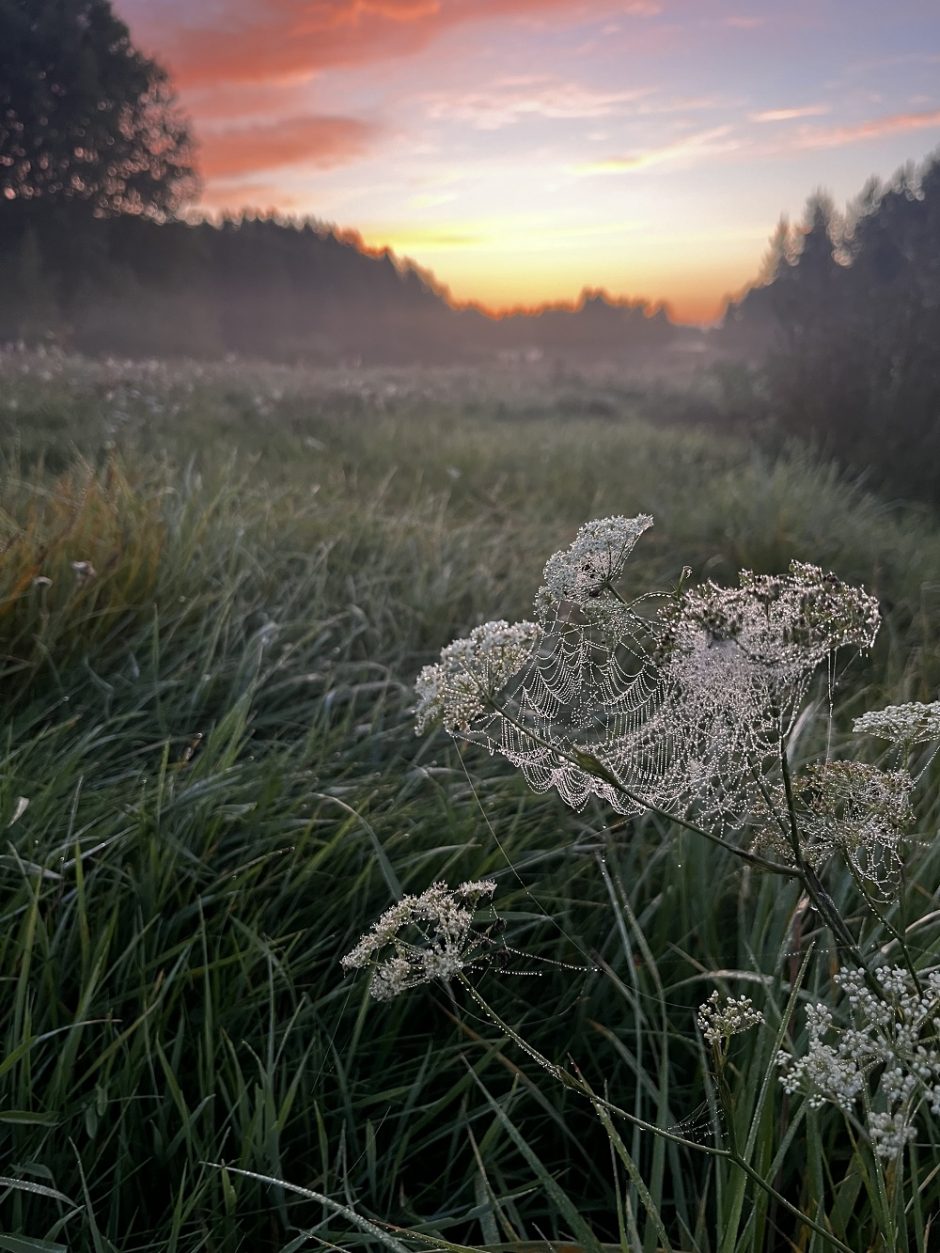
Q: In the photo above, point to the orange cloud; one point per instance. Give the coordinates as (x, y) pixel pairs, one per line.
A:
(400, 10)
(257, 41)
(874, 129)
(321, 141)
(224, 101)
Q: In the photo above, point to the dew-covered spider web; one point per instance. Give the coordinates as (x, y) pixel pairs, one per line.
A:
(673, 702)
(670, 730)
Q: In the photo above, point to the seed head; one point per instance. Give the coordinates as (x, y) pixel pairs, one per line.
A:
(592, 562)
(718, 1023)
(913, 723)
(455, 689)
(889, 1037)
(421, 938)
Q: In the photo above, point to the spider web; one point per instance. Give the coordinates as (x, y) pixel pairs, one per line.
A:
(677, 729)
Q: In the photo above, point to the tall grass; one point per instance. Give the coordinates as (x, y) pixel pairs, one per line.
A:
(210, 724)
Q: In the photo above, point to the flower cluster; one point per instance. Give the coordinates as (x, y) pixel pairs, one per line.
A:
(471, 671)
(592, 562)
(719, 1023)
(842, 806)
(895, 1031)
(681, 703)
(734, 664)
(421, 938)
(913, 723)
(787, 623)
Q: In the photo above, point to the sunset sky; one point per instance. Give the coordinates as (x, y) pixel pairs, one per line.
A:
(525, 149)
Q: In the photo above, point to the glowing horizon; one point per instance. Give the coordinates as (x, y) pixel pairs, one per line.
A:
(524, 150)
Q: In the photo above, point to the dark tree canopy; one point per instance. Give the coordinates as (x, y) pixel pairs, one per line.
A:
(847, 324)
(84, 116)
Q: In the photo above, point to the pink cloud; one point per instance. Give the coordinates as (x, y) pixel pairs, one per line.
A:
(788, 115)
(893, 124)
(223, 101)
(257, 41)
(320, 141)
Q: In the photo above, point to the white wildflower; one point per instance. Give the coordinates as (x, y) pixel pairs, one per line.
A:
(592, 562)
(889, 1133)
(421, 938)
(784, 624)
(843, 806)
(719, 1023)
(471, 671)
(902, 724)
(893, 1044)
(735, 663)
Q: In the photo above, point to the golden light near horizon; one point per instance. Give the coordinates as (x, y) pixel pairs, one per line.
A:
(490, 263)
(523, 150)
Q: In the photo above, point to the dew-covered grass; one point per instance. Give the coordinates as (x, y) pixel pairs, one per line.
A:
(216, 588)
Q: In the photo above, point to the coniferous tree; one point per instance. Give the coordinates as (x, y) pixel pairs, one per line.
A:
(848, 331)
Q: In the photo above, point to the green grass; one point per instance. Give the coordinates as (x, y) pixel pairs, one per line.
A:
(213, 735)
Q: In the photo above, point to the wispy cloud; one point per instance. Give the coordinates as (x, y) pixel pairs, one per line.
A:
(415, 239)
(688, 149)
(511, 100)
(875, 128)
(256, 101)
(512, 235)
(865, 65)
(317, 141)
(788, 115)
(508, 101)
(431, 200)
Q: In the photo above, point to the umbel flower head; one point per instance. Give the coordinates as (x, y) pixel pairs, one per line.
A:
(787, 623)
(734, 663)
(718, 1023)
(913, 723)
(592, 562)
(848, 807)
(894, 1034)
(471, 671)
(421, 938)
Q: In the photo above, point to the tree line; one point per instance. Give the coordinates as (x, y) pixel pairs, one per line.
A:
(845, 325)
(266, 287)
(96, 165)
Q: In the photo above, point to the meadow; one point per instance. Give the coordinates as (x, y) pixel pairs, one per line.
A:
(217, 585)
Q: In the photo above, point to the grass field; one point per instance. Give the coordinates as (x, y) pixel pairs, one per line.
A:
(216, 588)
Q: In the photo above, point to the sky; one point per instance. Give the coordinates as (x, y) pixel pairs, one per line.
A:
(524, 150)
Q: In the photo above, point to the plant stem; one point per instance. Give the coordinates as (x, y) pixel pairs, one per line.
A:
(823, 902)
(889, 927)
(580, 1086)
